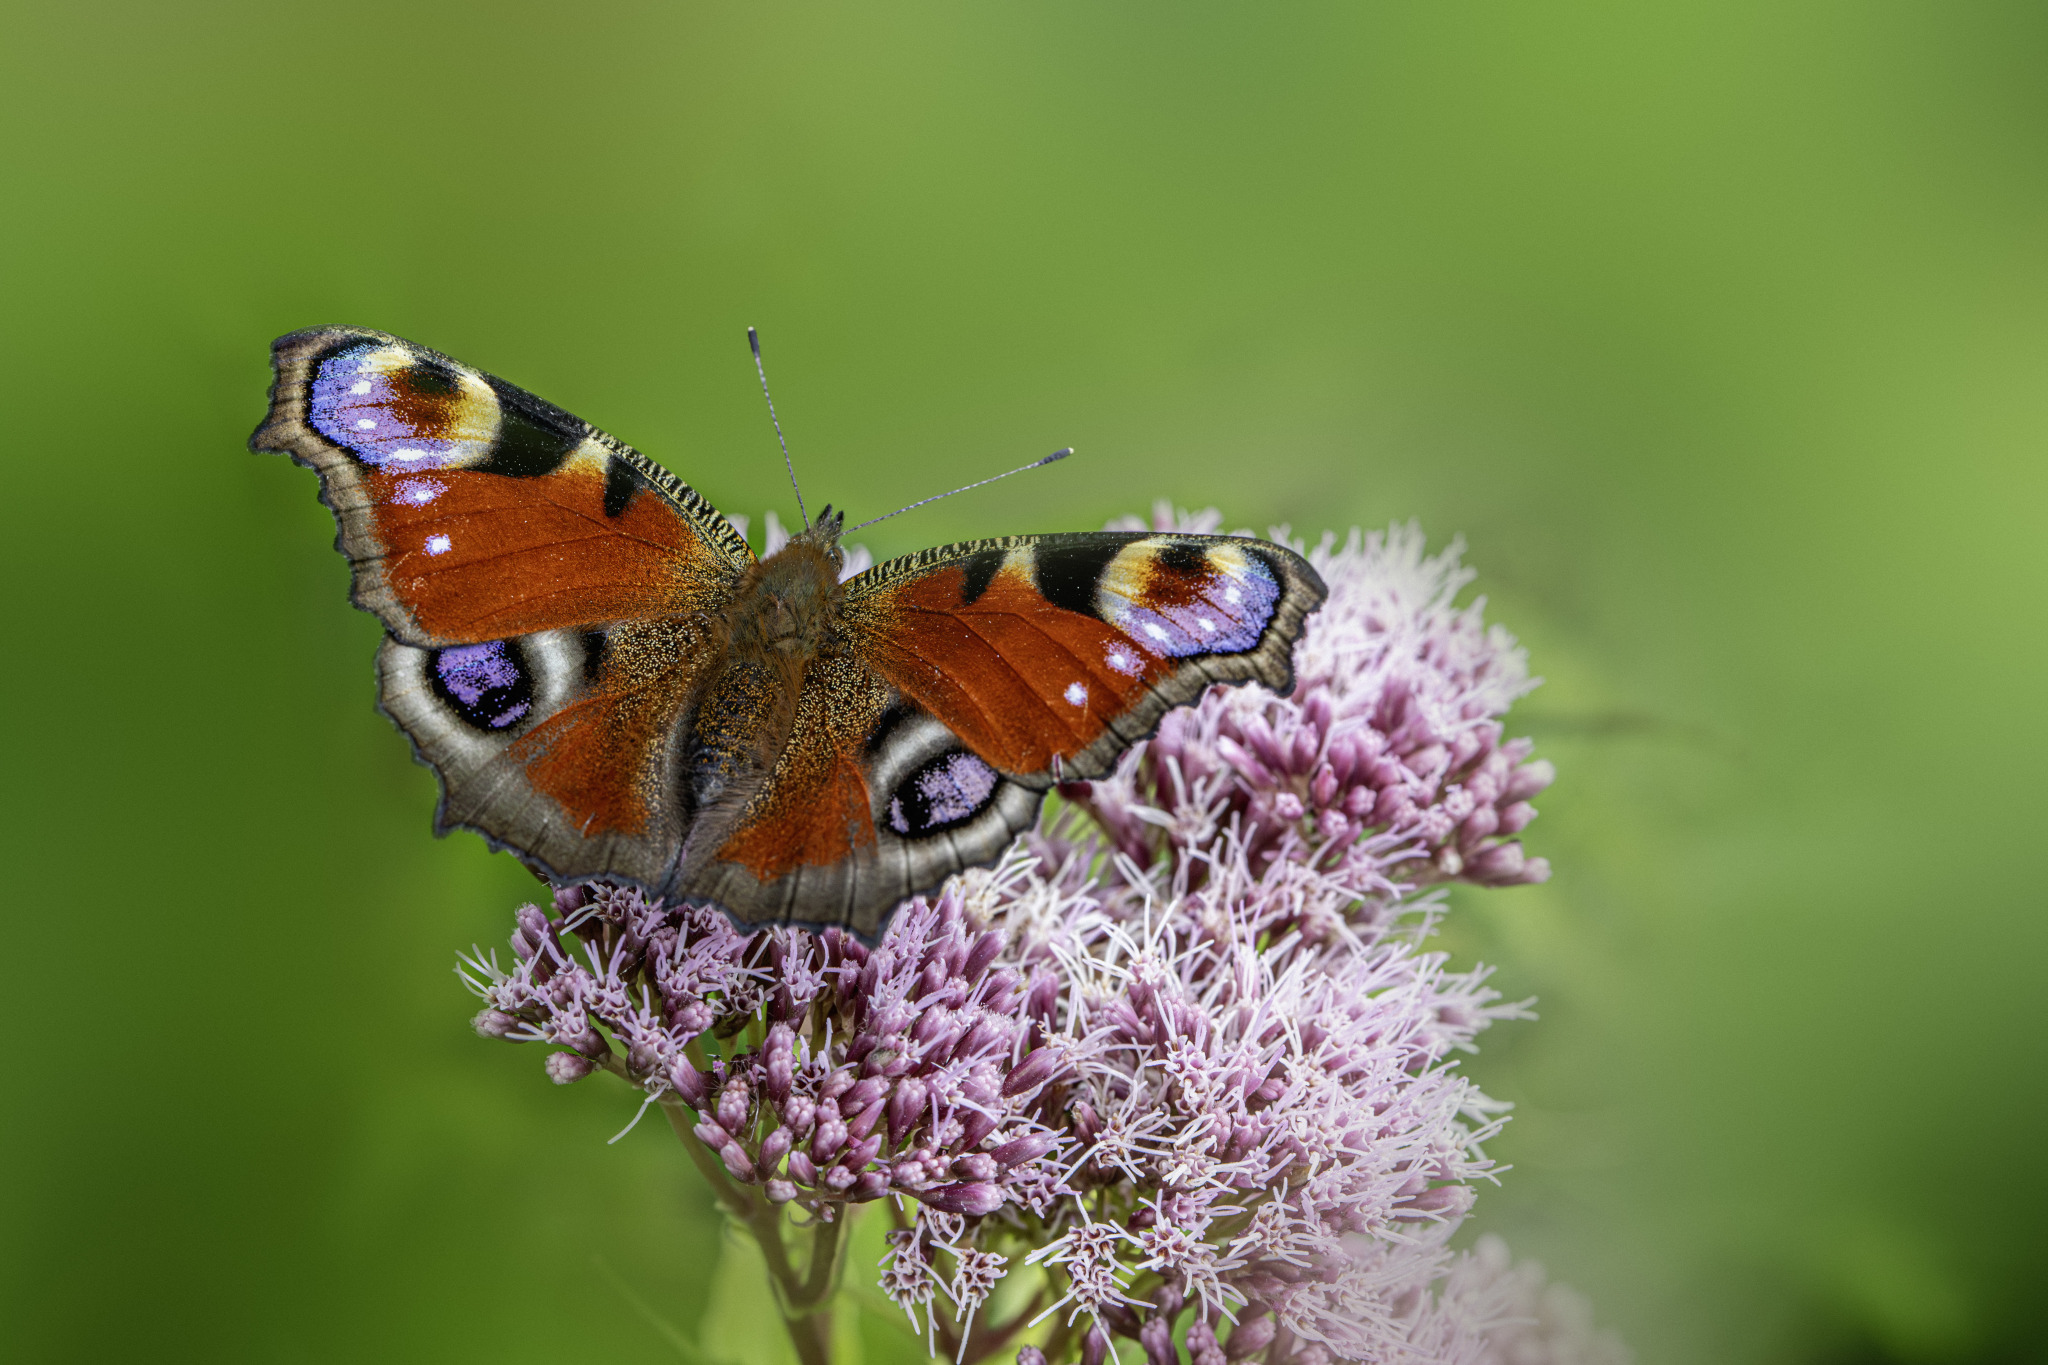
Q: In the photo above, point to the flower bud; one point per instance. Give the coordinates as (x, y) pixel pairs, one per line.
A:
(1094, 1346)
(711, 1135)
(1156, 1336)
(1502, 862)
(738, 1162)
(1042, 996)
(859, 1154)
(871, 1185)
(530, 932)
(906, 1106)
(1017, 1151)
(1030, 1355)
(863, 1094)
(830, 1137)
(973, 1199)
(981, 954)
(566, 1068)
(1478, 825)
(494, 1024)
(863, 1123)
(733, 1104)
(930, 1025)
(801, 1170)
(779, 1051)
(986, 1036)
(976, 1166)
(974, 1126)
(774, 1147)
(1247, 767)
(1251, 1335)
(1087, 1125)
(1529, 779)
(1516, 817)
(689, 1082)
(779, 1191)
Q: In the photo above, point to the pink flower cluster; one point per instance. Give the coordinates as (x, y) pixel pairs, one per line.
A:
(1181, 1060)
(902, 1069)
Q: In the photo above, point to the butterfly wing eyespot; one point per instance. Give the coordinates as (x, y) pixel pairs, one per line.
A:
(488, 687)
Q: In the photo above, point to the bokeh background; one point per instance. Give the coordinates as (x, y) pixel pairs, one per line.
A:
(1716, 327)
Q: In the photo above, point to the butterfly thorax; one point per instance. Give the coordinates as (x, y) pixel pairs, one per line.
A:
(783, 615)
(788, 603)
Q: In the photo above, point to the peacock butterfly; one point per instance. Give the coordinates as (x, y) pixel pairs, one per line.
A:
(610, 684)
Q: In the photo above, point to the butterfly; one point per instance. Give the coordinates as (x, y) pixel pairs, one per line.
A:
(610, 684)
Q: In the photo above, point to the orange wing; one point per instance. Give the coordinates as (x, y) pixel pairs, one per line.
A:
(1050, 655)
(473, 511)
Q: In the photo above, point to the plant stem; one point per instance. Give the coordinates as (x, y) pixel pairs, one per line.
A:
(804, 1301)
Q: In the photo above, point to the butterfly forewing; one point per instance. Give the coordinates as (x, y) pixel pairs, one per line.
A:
(473, 511)
(1050, 655)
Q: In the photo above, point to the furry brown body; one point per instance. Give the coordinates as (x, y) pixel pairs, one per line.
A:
(784, 616)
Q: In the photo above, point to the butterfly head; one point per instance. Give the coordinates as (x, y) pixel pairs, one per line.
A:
(787, 604)
(824, 533)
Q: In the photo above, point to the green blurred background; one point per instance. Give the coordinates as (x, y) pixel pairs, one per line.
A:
(1717, 329)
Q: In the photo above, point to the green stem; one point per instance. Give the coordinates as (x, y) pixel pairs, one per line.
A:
(802, 1301)
(822, 1274)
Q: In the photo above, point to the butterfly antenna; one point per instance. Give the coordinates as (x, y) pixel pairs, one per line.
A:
(754, 340)
(1060, 454)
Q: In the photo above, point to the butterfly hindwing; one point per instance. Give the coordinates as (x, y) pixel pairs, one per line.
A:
(1050, 655)
(473, 511)
(560, 745)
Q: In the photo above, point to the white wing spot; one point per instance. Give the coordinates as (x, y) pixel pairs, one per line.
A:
(360, 386)
(366, 424)
(439, 545)
(420, 492)
(1231, 594)
(1076, 694)
(1122, 662)
(1206, 624)
(411, 455)
(1155, 630)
